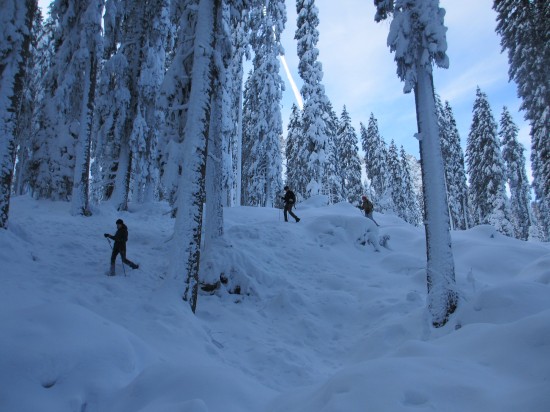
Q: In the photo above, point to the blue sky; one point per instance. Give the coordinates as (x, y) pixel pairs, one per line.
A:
(359, 70)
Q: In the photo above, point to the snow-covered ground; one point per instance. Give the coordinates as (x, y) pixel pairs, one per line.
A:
(328, 324)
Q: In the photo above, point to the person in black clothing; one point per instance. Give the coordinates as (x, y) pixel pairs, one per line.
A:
(289, 199)
(120, 238)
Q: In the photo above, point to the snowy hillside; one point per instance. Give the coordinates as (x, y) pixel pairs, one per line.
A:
(325, 323)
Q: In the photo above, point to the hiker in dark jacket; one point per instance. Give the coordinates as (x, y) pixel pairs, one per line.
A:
(368, 208)
(120, 238)
(289, 199)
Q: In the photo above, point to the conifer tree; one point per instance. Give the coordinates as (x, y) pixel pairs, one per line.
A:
(39, 176)
(516, 175)
(250, 101)
(455, 172)
(174, 97)
(294, 163)
(523, 27)
(191, 190)
(332, 184)
(66, 111)
(232, 120)
(348, 163)
(315, 110)
(486, 169)
(15, 37)
(412, 213)
(396, 181)
(27, 127)
(376, 163)
(264, 173)
(129, 119)
(91, 50)
(417, 35)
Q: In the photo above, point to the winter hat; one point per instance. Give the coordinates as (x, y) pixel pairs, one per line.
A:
(119, 221)
(363, 197)
(286, 187)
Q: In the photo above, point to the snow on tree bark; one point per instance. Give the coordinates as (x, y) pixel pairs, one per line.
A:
(442, 296)
(15, 36)
(191, 190)
(90, 32)
(417, 35)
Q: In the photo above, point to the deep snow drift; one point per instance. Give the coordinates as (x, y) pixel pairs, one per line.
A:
(328, 319)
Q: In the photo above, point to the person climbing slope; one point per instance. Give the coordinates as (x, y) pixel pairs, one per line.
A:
(368, 207)
(120, 238)
(289, 199)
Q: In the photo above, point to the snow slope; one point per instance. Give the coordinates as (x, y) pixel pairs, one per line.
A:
(329, 320)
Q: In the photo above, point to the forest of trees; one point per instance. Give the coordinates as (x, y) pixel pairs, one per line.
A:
(136, 101)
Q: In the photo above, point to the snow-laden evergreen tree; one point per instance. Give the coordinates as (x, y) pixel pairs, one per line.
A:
(86, 71)
(525, 34)
(376, 164)
(39, 176)
(348, 163)
(416, 176)
(315, 111)
(191, 190)
(66, 110)
(295, 165)
(332, 184)
(516, 175)
(264, 172)
(26, 130)
(250, 103)
(417, 36)
(455, 171)
(15, 38)
(128, 117)
(396, 181)
(174, 95)
(219, 110)
(110, 105)
(232, 119)
(486, 169)
(411, 209)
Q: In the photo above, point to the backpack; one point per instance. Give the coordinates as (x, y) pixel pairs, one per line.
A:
(291, 197)
(369, 206)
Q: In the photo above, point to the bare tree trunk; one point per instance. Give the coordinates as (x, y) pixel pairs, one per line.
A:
(442, 296)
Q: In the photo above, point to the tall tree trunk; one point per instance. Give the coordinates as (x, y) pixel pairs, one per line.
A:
(12, 67)
(442, 296)
(214, 210)
(122, 180)
(188, 226)
(81, 187)
(239, 152)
